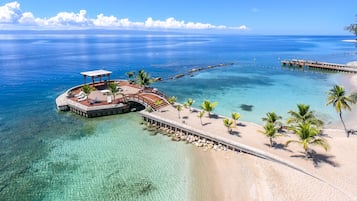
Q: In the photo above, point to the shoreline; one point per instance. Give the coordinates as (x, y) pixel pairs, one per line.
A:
(244, 177)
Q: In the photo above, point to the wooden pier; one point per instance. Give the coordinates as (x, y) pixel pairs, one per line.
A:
(319, 65)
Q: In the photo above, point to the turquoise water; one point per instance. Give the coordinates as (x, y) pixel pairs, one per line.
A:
(46, 155)
(279, 91)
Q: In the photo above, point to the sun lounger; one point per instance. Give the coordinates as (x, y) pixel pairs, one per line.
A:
(109, 99)
(80, 94)
(82, 99)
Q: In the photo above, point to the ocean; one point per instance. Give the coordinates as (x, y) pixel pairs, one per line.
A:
(51, 155)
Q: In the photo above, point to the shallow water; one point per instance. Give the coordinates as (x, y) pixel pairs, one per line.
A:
(46, 155)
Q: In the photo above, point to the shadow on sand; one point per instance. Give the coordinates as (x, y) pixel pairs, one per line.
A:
(317, 159)
(280, 146)
(235, 133)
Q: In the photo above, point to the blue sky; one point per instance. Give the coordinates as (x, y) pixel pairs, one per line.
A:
(316, 17)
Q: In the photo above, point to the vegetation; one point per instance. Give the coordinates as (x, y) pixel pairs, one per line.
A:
(352, 28)
(149, 109)
(172, 100)
(208, 106)
(189, 103)
(130, 75)
(272, 118)
(200, 115)
(113, 89)
(308, 135)
(179, 109)
(303, 115)
(143, 79)
(270, 131)
(337, 97)
(87, 89)
(158, 102)
(235, 116)
(228, 123)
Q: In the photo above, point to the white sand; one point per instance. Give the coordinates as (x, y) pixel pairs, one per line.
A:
(232, 176)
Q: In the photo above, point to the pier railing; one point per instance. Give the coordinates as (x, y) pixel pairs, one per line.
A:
(320, 65)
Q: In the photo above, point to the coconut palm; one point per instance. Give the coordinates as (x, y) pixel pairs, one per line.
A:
(308, 135)
(352, 28)
(130, 75)
(113, 89)
(336, 97)
(189, 103)
(228, 123)
(143, 79)
(179, 109)
(172, 100)
(158, 103)
(273, 118)
(235, 116)
(87, 89)
(200, 115)
(304, 115)
(270, 131)
(208, 106)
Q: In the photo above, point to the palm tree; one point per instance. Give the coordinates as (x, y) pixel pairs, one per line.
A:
(270, 131)
(308, 135)
(143, 79)
(304, 115)
(179, 108)
(352, 28)
(172, 100)
(273, 118)
(158, 102)
(228, 123)
(208, 106)
(235, 117)
(189, 103)
(113, 89)
(130, 75)
(200, 115)
(87, 89)
(336, 97)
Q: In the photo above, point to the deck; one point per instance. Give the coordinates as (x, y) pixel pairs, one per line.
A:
(320, 65)
(101, 102)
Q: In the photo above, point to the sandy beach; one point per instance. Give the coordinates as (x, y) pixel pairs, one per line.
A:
(227, 175)
(244, 177)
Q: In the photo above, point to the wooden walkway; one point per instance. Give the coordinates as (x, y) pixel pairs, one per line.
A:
(319, 65)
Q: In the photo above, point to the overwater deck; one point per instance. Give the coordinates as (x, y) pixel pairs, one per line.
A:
(101, 102)
(320, 65)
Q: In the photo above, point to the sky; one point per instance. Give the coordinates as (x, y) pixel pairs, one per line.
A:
(282, 17)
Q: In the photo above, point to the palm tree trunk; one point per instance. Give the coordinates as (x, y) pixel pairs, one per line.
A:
(344, 126)
(271, 142)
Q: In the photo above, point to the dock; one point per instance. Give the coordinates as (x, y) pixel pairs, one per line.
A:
(319, 65)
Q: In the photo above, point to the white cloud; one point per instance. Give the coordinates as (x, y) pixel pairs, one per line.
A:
(69, 19)
(11, 14)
